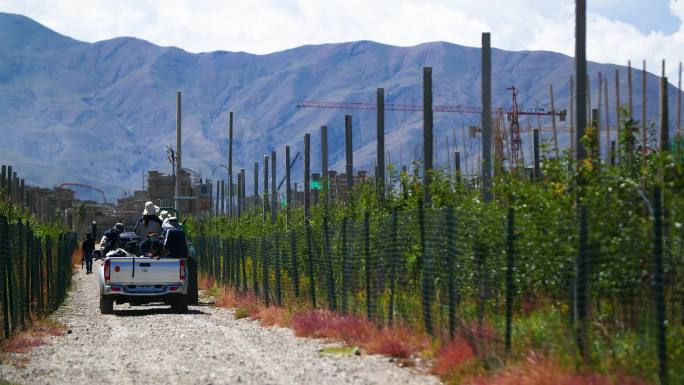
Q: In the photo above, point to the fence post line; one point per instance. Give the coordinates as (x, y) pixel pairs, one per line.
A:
(425, 267)
(580, 76)
(644, 124)
(510, 259)
(309, 262)
(427, 133)
(242, 262)
(451, 260)
(659, 284)
(288, 198)
(330, 281)
(392, 257)
(582, 302)
(368, 265)
(256, 184)
(345, 267)
(295, 268)
(276, 254)
(264, 269)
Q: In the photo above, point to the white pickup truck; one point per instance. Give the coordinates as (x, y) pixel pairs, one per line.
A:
(126, 278)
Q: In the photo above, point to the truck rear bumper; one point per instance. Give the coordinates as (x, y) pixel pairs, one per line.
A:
(141, 291)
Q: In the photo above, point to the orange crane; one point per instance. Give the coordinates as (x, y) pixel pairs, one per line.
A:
(104, 198)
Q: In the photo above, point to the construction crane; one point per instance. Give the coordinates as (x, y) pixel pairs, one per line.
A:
(513, 115)
(104, 198)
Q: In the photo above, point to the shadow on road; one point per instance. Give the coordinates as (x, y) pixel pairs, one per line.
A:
(151, 311)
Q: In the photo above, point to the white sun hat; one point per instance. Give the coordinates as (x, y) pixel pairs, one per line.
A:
(150, 208)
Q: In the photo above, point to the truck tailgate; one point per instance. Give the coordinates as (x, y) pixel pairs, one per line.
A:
(140, 270)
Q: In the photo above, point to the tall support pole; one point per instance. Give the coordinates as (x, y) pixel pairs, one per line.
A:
(581, 75)
(3, 179)
(256, 184)
(230, 164)
(324, 164)
(618, 129)
(644, 138)
(239, 196)
(679, 102)
(607, 117)
(571, 117)
(349, 155)
(537, 157)
(307, 174)
(427, 133)
(630, 104)
(179, 168)
(457, 166)
(274, 192)
(380, 151)
(553, 122)
(486, 117)
(244, 190)
(664, 116)
(223, 196)
(288, 193)
(264, 203)
(599, 124)
(218, 197)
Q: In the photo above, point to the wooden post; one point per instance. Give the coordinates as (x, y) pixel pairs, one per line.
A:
(644, 125)
(264, 203)
(630, 105)
(349, 154)
(457, 166)
(325, 190)
(256, 184)
(679, 102)
(239, 196)
(427, 133)
(179, 168)
(274, 192)
(223, 196)
(607, 117)
(664, 116)
(553, 122)
(288, 199)
(537, 160)
(618, 130)
(571, 117)
(581, 75)
(486, 117)
(307, 174)
(380, 177)
(230, 164)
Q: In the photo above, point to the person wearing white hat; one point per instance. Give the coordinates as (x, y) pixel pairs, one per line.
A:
(149, 221)
(163, 215)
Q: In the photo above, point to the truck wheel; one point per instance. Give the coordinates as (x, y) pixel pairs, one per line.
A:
(106, 305)
(180, 304)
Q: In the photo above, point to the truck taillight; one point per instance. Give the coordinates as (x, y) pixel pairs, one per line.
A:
(182, 269)
(106, 270)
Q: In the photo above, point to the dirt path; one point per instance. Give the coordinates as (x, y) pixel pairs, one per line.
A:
(151, 345)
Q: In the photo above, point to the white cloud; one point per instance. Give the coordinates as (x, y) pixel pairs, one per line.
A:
(262, 26)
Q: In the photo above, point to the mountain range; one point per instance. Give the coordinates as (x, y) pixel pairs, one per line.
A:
(100, 113)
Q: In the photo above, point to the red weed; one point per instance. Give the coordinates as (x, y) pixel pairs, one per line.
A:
(451, 356)
(395, 342)
(352, 330)
(314, 323)
(21, 344)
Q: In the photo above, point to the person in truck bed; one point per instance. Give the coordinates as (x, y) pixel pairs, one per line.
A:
(151, 245)
(175, 243)
(148, 222)
(111, 239)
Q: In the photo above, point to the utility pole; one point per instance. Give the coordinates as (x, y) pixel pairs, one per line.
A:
(644, 138)
(486, 117)
(230, 164)
(179, 169)
(307, 174)
(581, 76)
(664, 116)
(380, 151)
(427, 133)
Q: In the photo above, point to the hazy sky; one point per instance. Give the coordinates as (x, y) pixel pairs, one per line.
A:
(618, 29)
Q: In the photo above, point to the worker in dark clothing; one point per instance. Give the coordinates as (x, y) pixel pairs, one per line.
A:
(175, 243)
(88, 246)
(152, 245)
(111, 239)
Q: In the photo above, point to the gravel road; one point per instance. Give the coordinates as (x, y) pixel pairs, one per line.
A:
(151, 345)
